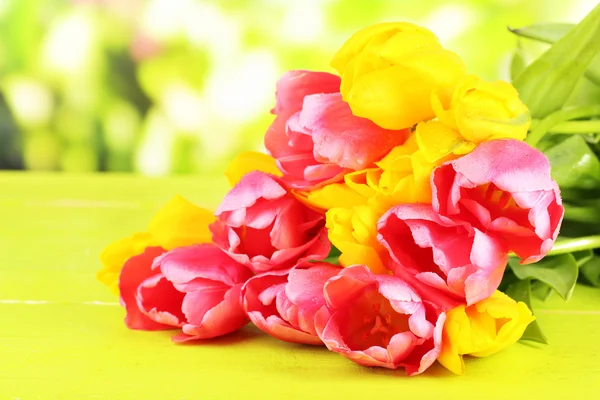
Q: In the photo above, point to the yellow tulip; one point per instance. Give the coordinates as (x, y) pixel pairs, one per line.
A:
(179, 223)
(330, 196)
(390, 70)
(482, 329)
(481, 111)
(356, 206)
(117, 253)
(248, 161)
(354, 232)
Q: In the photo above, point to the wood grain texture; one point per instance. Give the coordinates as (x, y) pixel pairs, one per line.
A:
(62, 336)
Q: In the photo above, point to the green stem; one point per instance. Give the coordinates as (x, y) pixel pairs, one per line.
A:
(576, 127)
(589, 214)
(576, 244)
(557, 117)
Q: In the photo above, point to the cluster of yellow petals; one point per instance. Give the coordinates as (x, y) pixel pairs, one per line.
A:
(179, 223)
(398, 75)
(482, 329)
(389, 70)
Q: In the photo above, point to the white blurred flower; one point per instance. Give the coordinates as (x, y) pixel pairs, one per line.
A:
(153, 156)
(303, 21)
(184, 107)
(448, 21)
(30, 100)
(69, 44)
(244, 89)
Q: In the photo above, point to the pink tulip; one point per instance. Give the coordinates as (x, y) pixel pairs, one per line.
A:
(196, 288)
(464, 264)
(212, 283)
(315, 138)
(263, 226)
(379, 320)
(502, 188)
(283, 303)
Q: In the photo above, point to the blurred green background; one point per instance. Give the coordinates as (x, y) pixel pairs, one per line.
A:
(180, 86)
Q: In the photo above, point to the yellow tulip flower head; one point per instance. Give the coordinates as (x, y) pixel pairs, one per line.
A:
(482, 329)
(482, 111)
(390, 70)
(179, 223)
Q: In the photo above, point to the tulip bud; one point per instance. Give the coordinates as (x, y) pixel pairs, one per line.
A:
(482, 111)
(482, 329)
(389, 71)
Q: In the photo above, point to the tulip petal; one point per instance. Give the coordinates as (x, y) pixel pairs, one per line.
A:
(224, 317)
(187, 264)
(305, 290)
(252, 186)
(269, 308)
(294, 85)
(160, 301)
(248, 161)
(180, 223)
(116, 254)
(342, 138)
(134, 272)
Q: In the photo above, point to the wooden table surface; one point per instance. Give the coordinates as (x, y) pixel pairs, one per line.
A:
(62, 335)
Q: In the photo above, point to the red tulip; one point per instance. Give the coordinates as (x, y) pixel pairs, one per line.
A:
(465, 264)
(263, 226)
(315, 138)
(502, 188)
(196, 288)
(283, 303)
(379, 320)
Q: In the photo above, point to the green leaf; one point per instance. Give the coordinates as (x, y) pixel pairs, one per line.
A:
(574, 164)
(521, 291)
(551, 33)
(517, 63)
(559, 272)
(585, 93)
(334, 252)
(583, 256)
(508, 278)
(332, 257)
(545, 32)
(590, 272)
(546, 84)
(568, 113)
(540, 290)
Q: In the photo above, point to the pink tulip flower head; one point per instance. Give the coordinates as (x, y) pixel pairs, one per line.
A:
(211, 283)
(283, 303)
(465, 264)
(263, 226)
(196, 288)
(503, 188)
(379, 320)
(315, 138)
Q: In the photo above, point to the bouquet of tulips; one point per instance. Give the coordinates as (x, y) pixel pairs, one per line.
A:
(394, 200)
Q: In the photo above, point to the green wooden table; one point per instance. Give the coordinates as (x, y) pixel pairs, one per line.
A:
(62, 336)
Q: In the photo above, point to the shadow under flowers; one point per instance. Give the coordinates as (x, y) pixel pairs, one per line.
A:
(303, 357)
